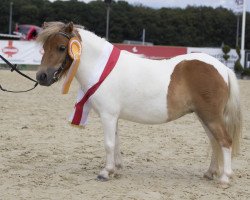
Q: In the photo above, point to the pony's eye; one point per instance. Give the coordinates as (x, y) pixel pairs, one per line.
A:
(62, 48)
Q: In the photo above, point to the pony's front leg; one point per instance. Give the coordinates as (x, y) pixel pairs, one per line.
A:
(118, 156)
(109, 125)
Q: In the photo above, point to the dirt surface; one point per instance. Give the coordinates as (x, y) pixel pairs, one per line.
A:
(43, 157)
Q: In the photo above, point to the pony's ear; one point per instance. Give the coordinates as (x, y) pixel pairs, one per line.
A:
(45, 25)
(69, 27)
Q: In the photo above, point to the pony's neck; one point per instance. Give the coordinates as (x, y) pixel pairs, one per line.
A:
(92, 47)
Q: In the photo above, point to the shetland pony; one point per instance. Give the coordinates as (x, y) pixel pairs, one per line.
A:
(149, 92)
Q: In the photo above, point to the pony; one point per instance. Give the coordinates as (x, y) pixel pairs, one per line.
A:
(149, 92)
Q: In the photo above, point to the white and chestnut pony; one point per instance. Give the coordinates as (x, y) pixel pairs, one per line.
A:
(149, 92)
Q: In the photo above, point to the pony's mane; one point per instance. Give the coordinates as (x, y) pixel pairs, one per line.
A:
(50, 29)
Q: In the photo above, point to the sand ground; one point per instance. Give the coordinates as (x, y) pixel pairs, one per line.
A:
(43, 157)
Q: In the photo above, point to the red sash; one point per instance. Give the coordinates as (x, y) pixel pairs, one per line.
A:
(78, 115)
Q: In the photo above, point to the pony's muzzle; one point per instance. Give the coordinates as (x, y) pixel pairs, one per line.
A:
(47, 77)
(42, 79)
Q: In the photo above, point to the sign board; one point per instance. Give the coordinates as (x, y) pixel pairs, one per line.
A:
(153, 52)
(217, 53)
(21, 52)
(30, 52)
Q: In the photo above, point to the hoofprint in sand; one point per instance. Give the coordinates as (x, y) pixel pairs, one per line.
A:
(43, 157)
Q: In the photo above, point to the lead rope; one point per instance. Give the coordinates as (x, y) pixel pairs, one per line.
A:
(14, 68)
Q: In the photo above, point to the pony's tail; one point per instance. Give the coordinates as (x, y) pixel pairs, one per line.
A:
(232, 113)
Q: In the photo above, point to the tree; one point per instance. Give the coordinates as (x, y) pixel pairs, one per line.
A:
(237, 66)
(226, 49)
(193, 26)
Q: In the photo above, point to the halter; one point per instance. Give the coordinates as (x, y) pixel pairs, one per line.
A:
(63, 65)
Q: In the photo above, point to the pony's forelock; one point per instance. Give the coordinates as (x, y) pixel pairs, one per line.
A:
(50, 29)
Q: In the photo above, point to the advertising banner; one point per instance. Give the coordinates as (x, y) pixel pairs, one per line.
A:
(21, 52)
(30, 52)
(153, 52)
(217, 53)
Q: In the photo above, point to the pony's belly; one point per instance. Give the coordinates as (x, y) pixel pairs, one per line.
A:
(144, 117)
(149, 112)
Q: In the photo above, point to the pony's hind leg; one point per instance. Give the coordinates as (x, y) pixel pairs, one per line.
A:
(218, 130)
(212, 170)
(214, 166)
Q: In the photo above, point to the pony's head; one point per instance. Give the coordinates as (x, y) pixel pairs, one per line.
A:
(55, 38)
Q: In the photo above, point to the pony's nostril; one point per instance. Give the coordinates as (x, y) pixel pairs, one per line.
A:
(43, 77)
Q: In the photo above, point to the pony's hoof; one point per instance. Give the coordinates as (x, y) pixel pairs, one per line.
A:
(224, 185)
(224, 182)
(209, 175)
(101, 178)
(230, 174)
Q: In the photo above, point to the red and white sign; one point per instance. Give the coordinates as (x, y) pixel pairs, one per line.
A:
(9, 50)
(21, 52)
(153, 52)
(30, 52)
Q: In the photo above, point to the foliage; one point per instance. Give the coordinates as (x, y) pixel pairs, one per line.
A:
(246, 72)
(193, 26)
(237, 66)
(226, 49)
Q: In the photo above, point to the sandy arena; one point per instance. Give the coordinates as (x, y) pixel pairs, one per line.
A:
(43, 157)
